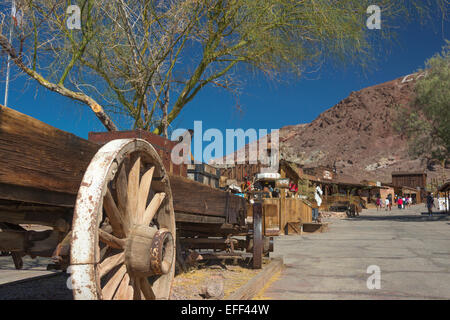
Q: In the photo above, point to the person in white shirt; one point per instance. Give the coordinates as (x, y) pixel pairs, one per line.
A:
(386, 202)
(317, 196)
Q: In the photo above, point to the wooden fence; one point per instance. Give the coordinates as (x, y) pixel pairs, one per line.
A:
(277, 212)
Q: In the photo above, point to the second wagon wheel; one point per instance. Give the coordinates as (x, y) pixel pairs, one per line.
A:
(124, 226)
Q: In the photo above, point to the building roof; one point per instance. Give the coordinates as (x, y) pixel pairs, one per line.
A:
(341, 179)
(412, 189)
(406, 173)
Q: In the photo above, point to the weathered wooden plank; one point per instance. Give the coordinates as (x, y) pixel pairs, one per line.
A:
(37, 158)
(194, 197)
(252, 288)
(193, 218)
(37, 155)
(186, 229)
(12, 240)
(34, 195)
(56, 219)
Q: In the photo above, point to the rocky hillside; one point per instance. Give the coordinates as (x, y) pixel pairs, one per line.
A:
(357, 136)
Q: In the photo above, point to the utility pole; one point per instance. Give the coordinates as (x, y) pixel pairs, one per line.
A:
(8, 66)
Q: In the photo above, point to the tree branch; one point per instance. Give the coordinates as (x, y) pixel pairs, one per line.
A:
(79, 96)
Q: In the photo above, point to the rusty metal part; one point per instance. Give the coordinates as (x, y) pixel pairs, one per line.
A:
(258, 244)
(162, 251)
(271, 244)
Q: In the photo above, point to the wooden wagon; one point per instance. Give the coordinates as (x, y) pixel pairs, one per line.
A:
(110, 206)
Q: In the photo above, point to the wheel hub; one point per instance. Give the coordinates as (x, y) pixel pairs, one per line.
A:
(149, 251)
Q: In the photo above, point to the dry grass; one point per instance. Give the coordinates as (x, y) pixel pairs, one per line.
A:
(187, 286)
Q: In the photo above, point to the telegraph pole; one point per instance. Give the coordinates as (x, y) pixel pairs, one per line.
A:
(8, 66)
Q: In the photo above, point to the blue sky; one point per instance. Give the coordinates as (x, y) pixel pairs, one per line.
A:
(265, 104)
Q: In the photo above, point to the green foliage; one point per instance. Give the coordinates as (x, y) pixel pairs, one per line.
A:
(428, 123)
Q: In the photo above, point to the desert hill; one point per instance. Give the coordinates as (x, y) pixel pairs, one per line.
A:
(357, 137)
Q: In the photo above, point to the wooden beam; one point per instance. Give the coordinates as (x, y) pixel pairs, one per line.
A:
(216, 230)
(37, 155)
(196, 198)
(192, 218)
(42, 164)
(35, 195)
(58, 218)
(12, 240)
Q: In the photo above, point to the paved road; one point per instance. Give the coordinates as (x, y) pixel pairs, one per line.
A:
(31, 268)
(411, 250)
(33, 281)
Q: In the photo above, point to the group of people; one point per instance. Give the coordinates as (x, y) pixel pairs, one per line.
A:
(402, 202)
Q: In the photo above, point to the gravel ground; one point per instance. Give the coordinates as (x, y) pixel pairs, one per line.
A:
(187, 286)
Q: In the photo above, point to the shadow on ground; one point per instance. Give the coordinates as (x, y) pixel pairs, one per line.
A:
(49, 288)
(403, 218)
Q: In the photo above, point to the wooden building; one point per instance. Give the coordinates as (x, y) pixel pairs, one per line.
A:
(321, 172)
(337, 188)
(409, 179)
(238, 172)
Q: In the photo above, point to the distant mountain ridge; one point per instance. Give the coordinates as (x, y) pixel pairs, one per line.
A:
(356, 135)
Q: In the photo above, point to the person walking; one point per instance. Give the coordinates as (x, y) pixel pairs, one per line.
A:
(386, 202)
(400, 202)
(378, 203)
(390, 201)
(430, 204)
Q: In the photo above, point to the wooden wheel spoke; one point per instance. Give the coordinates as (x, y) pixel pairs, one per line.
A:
(125, 290)
(144, 189)
(147, 289)
(121, 189)
(153, 208)
(132, 191)
(110, 263)
(111, 240)
(104, 251)
(110, 288)
(137, 294)
(116, 218)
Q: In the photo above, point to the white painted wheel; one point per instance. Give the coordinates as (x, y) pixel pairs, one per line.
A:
(124, 226)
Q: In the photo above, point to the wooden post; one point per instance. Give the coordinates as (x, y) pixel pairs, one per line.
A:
(282, 210)
(257, 235)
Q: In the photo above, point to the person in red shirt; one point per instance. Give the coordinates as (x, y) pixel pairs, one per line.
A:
(400, 202)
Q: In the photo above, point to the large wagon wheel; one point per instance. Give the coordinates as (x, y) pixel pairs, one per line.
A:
(124, 226)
